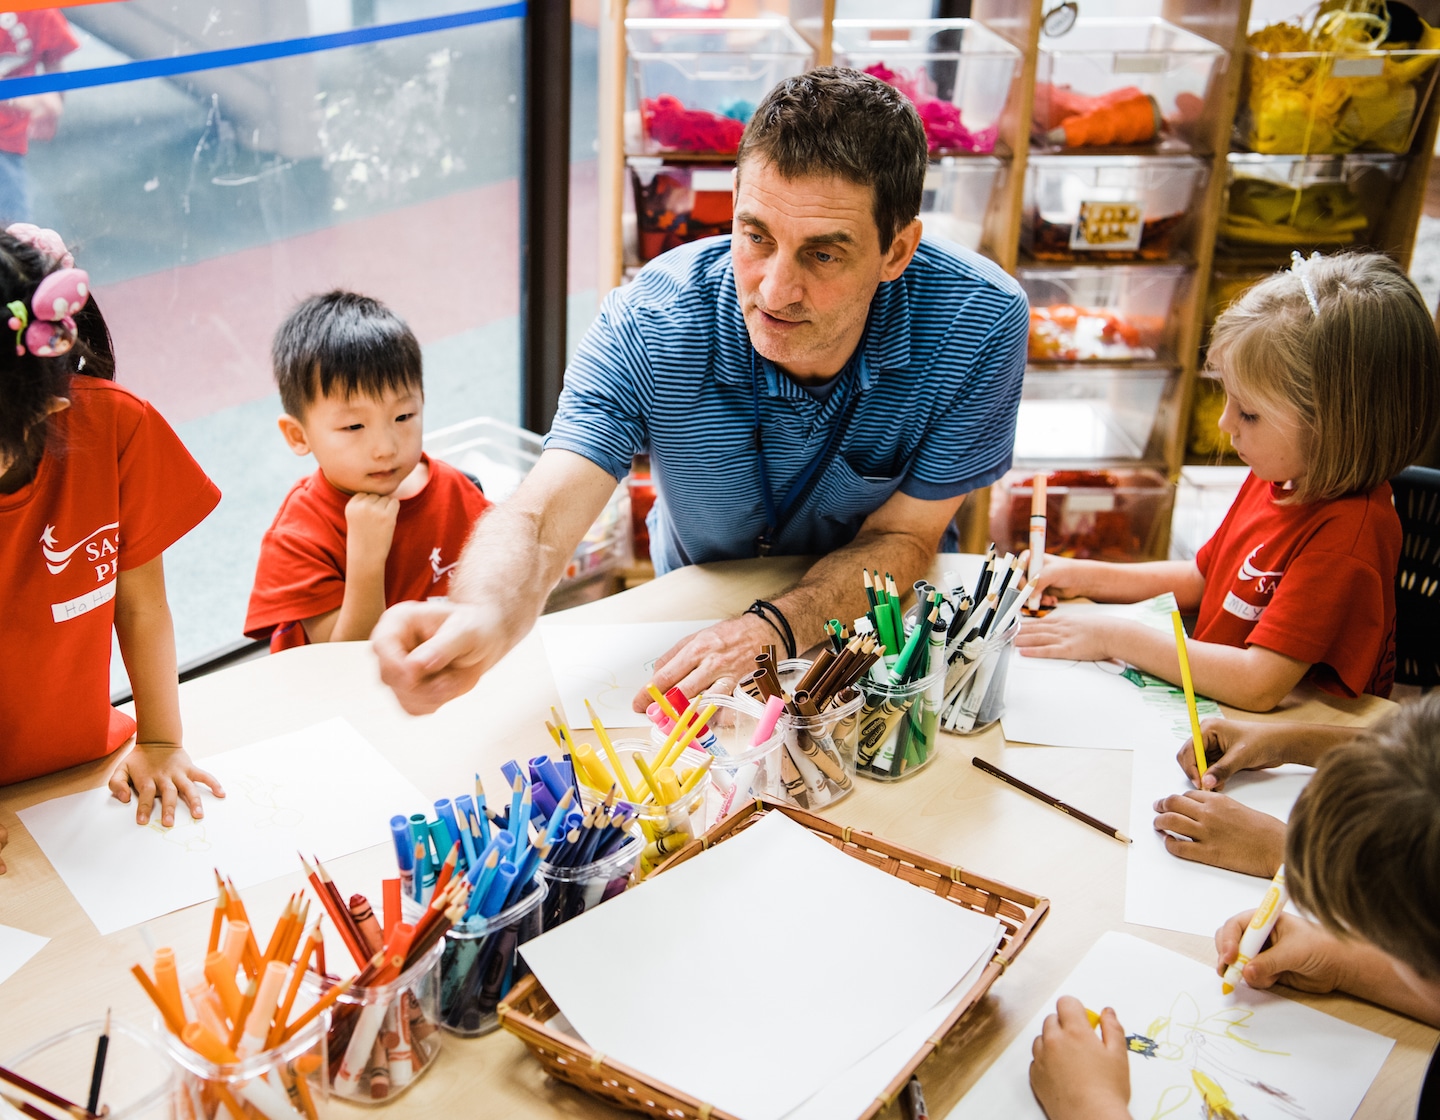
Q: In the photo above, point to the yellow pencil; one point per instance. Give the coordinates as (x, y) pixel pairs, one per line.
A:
(609, 748)
(1195, 737)
(661, 699)
(691, 732)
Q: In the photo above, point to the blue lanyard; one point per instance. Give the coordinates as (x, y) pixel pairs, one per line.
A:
(776, 519)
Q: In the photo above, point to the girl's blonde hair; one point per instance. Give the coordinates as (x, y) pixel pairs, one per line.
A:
(1362, 371)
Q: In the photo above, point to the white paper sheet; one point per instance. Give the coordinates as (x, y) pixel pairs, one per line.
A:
(1173, 893)
(1272, 1058)
(608, 665)
(757, 972)
(17, 947)
(323, 790)
(1054, 703)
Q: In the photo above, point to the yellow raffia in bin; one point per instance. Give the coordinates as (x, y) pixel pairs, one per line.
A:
(1297, 103)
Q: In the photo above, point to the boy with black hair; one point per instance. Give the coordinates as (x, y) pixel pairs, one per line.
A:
(379, 522)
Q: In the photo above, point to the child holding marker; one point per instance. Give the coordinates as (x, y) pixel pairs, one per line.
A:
(379, 522)
(1362, 854)
(94, 487)
(1332, 376)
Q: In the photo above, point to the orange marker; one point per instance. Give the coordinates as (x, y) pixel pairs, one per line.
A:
(173, 1016)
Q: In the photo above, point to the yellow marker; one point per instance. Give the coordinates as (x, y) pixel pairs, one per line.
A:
(609, 748)
(665, 705)
(1093, 1017)
(1262, 922)
(1196, 738)
(590, 768)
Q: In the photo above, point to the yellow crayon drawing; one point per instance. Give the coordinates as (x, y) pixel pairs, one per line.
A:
(188, 836)
(266, 795)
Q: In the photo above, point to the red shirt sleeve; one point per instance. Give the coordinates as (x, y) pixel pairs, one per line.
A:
(51, 34)
(163, 492)
(301, 571)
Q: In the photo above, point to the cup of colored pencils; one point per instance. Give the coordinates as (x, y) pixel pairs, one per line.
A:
(979, 644)
(104, 1066)
(247, 1042)
(593, 862)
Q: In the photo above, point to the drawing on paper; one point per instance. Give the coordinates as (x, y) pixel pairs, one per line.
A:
(266, 795)
(187, 835)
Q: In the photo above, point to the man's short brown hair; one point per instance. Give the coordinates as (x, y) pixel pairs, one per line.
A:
(835, 121)
(1362, 852)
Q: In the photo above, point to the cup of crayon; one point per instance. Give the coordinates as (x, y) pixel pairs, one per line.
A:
(383, 1038)
(975, 683)
(576, 888)
(139, 1083)
(666, 825)
(282, 1083)
(821, 746)
(895, 734)
(482, 963)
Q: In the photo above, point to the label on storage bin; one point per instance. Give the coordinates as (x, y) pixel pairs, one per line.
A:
(1150, 62)
(1108, 225)
(1359, 66)
(711, 179)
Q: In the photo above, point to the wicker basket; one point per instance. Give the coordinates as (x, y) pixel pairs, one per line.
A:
(528, 1008)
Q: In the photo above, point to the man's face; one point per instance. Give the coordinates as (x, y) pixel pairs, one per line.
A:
(807, 263)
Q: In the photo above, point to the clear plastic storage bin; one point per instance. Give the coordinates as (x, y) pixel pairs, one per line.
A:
(1202, 500)
(1099, 414)
(695, 82)
(1298, 100)
(140, 1081)
(1104, 313)
(1114, 208)
(1121, 82)
(677, 203)
(1093, 515)
(957, 198)
(1274, 204)
(956, 71)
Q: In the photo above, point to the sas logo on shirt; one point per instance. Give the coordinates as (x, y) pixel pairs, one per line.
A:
(100, 550)
(438, 571)
(1265, 584)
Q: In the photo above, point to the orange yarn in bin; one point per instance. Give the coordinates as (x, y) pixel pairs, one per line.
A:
(1122, 116)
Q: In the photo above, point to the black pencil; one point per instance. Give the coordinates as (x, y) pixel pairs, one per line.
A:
(99, 1071)
(1068, 810)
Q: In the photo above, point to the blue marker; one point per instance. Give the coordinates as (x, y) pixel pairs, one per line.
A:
(404, 853)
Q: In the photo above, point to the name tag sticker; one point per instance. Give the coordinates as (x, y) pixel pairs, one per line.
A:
(1108, 225)
(1362, 66)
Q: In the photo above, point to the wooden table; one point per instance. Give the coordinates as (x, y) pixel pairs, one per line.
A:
(949, 810)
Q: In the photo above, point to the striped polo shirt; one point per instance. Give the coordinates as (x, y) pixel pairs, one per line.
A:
(667, 367)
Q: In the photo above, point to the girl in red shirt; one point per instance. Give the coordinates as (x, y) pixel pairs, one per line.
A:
(1332, 377)
(94, 486)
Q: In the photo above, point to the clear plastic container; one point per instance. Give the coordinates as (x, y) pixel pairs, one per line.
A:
(1274, 204)
(977, 700)
(286, 1082)
(1083, 76)
(695, 82)
(573, 890)
(383, 1039)
(140, 1081)
(740, 770)
(482, 963)
(1207, 404)
(957, 72)
(666, 828)
(957, 198)
(1102, 313)
(1299, 101)
(1094, 414)
(1119, 208)
(676, 203)
(1202, 500)
(1093, 515)
(895, 734)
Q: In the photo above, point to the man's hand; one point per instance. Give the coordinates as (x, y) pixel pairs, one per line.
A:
(1069, 637)
(369, 528)
(1231, 745)
(163, 771)
(1222, 832)
(1299, 955)
(431, 652)
(1077, 1074)
(717, 656)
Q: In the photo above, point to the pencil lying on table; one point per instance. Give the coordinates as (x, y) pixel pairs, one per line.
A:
(1054, 802)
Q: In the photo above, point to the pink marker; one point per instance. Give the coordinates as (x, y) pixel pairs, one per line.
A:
(745, 775)
(766, 727)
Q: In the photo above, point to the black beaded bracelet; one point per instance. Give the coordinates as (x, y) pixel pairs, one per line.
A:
(778, 622)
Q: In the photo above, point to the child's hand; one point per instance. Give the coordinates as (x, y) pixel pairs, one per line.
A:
(1076, 1075)
(1069, 637)
(1231, 745)
(1223, 832)
(1299, 955)
(163, 771)
(369, 528)
(1059, 578)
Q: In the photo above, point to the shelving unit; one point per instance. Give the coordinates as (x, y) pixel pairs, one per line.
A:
(1222, 22)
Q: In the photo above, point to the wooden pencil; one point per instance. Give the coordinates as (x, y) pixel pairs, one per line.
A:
(1048, 799)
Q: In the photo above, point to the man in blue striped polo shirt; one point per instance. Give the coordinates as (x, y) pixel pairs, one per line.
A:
(823, 382)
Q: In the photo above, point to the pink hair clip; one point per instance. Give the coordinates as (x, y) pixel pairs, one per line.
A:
(47, 241)
(47, 328)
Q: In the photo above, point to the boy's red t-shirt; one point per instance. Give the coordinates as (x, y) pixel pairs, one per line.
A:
(40, 36)
(301, 572)
(1315, 582)
(115, 488)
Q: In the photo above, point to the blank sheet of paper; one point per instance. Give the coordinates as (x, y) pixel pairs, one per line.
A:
(1270, 1058)
(16, 947)
(1173, 893)
(754, 974)
(323, 790)
(1054, 703)
(608, 665)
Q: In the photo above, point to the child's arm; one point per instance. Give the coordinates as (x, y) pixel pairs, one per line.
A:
(1077, 1074)
(369, 529)
(1302, 955)
(1254, 678)
(1233, 745)
(157, 766)
(1063, 578)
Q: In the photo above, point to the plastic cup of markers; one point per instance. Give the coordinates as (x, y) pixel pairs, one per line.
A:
(382, 1039)
(896, 732)
(140, 1082)
(285, 1083)
(748, 771)
(573, 890)
(984, 692)
(482, 963)
(668, 826)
